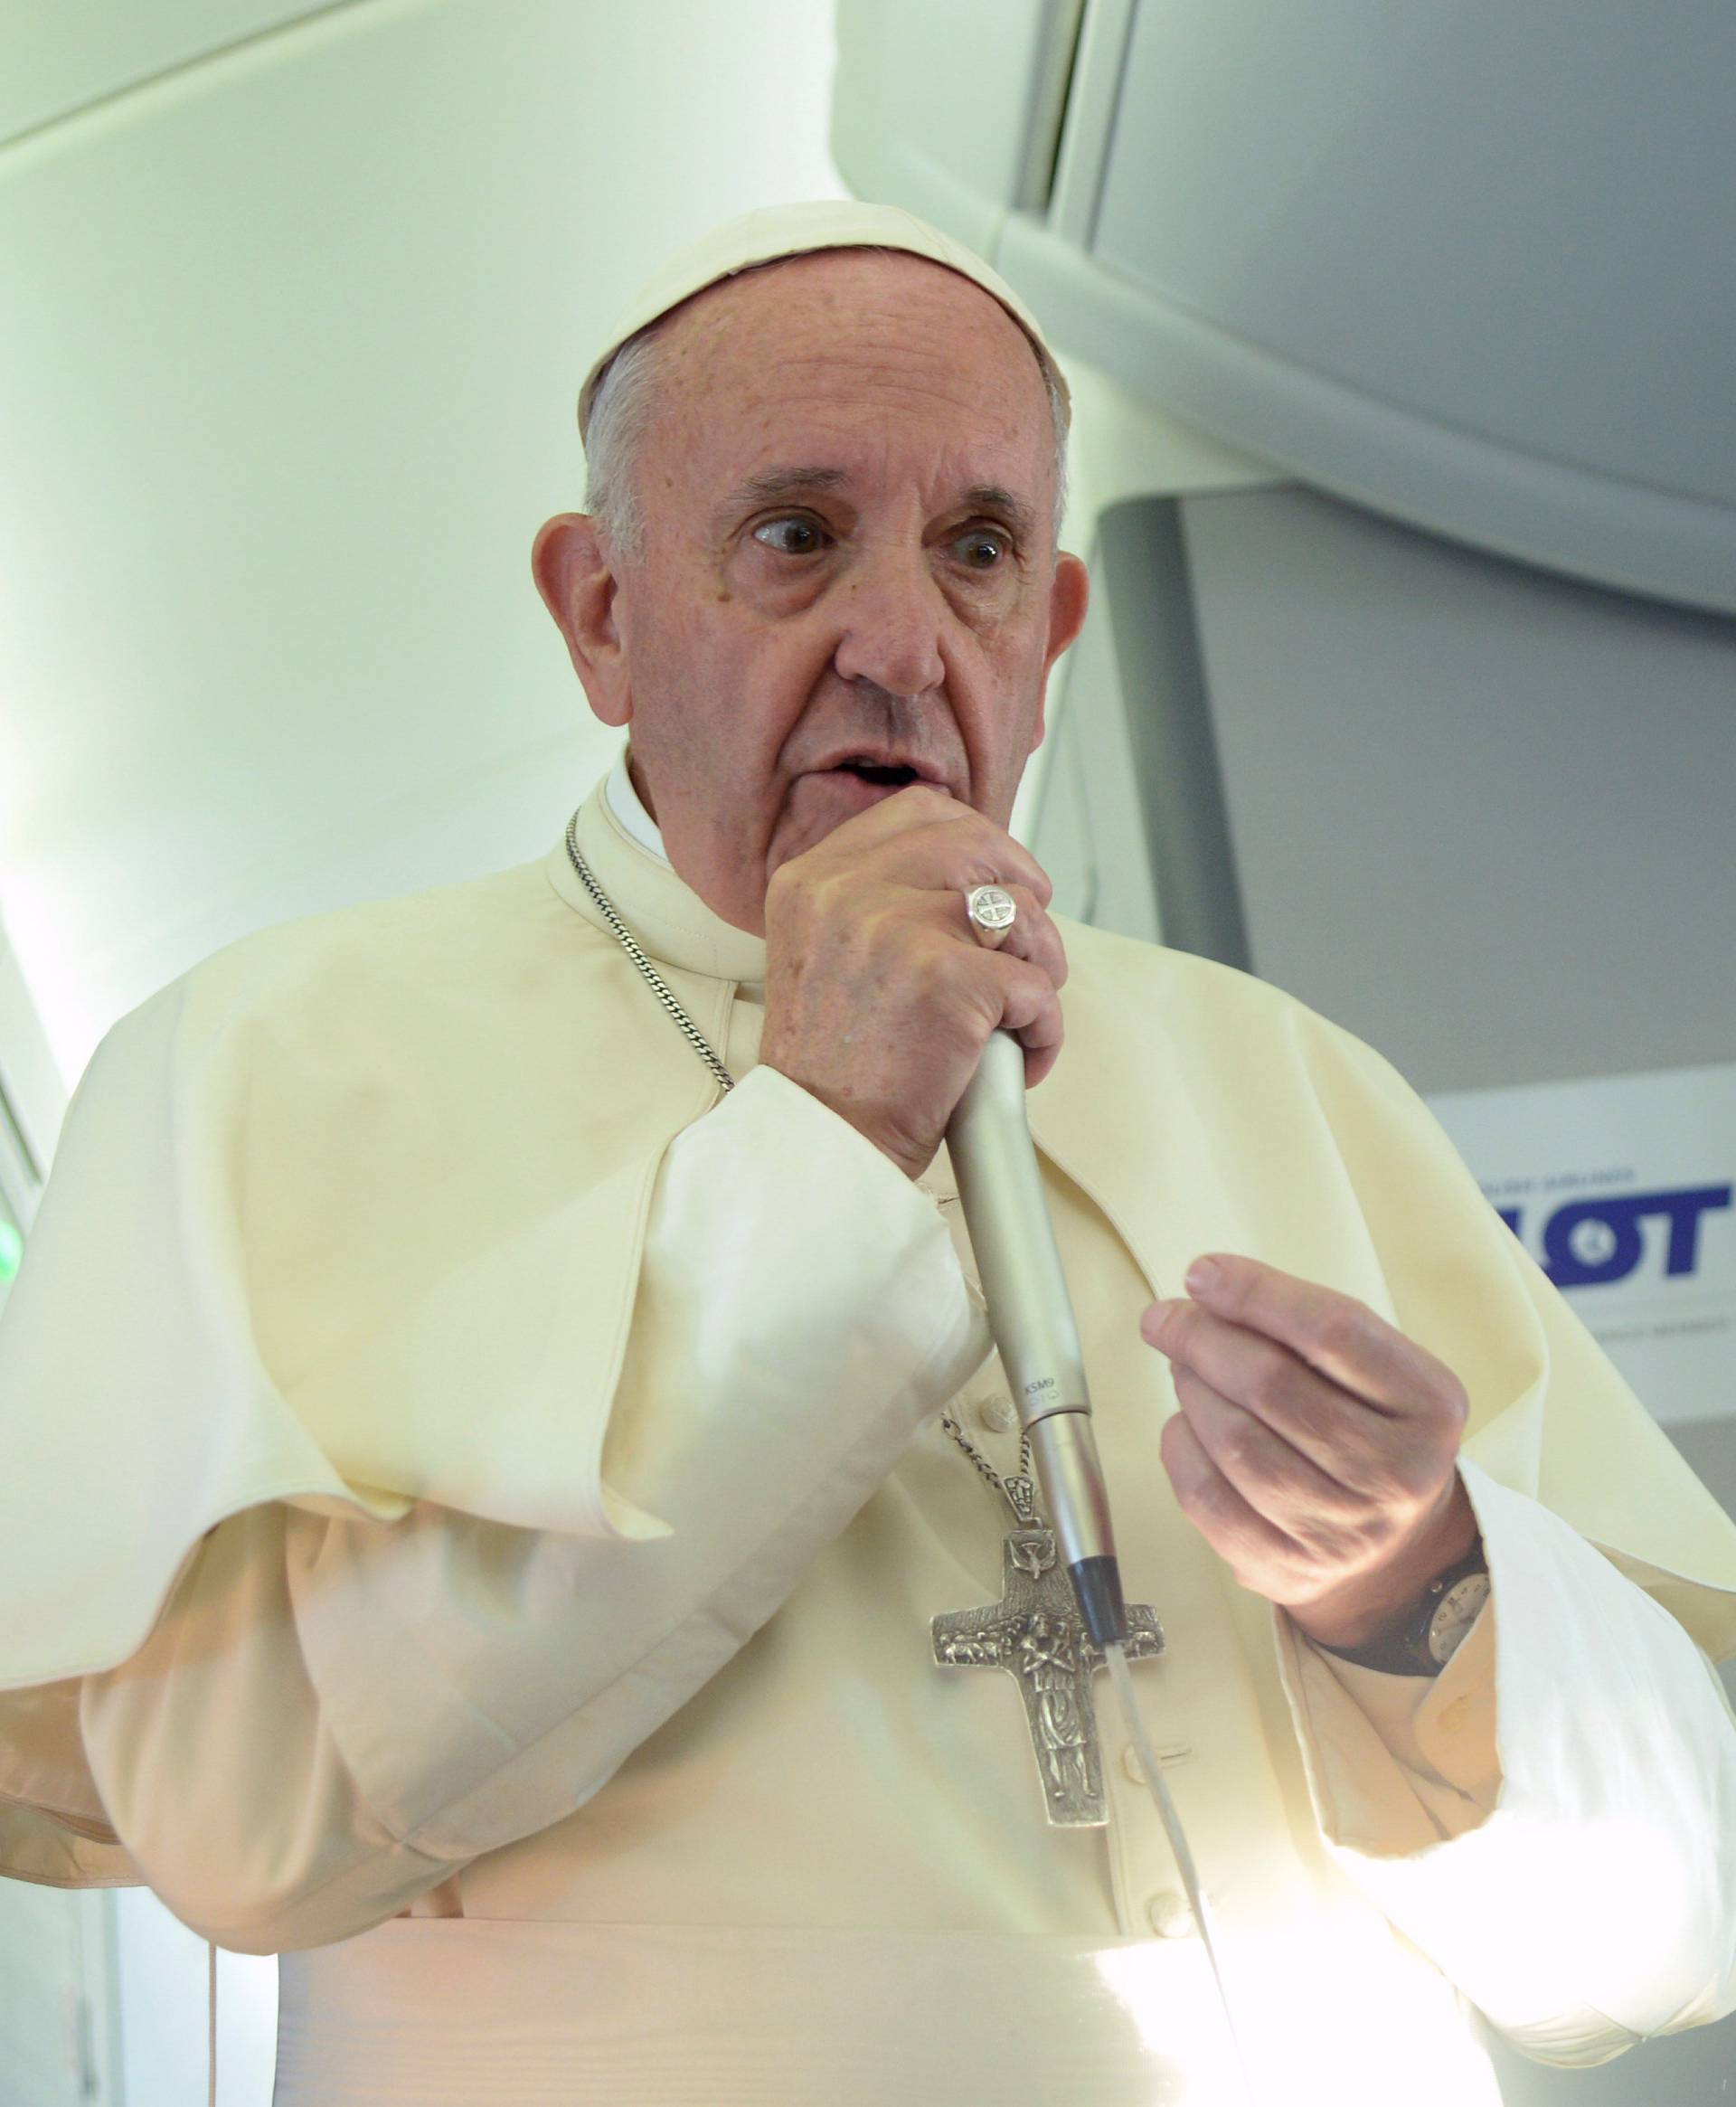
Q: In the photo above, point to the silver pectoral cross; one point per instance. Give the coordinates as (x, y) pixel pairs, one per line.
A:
(1036, 1634)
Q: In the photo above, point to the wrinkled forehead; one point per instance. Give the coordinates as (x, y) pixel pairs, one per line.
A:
(855, 340)
(934, 307)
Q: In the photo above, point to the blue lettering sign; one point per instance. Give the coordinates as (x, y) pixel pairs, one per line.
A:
(1588, 1243)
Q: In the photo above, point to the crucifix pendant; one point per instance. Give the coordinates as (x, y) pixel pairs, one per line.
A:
(1036, 1634)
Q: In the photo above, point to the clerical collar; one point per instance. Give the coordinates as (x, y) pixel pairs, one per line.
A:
(662, 910)
(625, 802)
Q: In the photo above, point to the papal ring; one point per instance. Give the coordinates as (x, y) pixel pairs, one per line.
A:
(992, 912)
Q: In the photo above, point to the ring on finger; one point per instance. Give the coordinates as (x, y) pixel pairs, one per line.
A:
(992, 912)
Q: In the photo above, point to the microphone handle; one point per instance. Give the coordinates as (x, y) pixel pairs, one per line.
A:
(1032, 1317)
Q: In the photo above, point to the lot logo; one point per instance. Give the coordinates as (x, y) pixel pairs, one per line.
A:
(1588, 1243)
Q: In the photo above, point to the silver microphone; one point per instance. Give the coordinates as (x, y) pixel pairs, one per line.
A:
(1032, 1317)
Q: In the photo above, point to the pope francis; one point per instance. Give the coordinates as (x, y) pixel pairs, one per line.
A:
(512, 1504)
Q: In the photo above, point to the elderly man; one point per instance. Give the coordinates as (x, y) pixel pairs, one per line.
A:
(485, 1547)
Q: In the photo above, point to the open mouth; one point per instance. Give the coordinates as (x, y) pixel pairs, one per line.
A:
(873, 772)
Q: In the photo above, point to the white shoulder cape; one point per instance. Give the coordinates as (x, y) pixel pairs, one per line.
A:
(349, 1216)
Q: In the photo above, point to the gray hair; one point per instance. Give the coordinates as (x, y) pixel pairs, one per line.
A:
(621, 408)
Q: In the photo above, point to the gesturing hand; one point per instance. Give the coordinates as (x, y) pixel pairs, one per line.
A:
(1316, 1446)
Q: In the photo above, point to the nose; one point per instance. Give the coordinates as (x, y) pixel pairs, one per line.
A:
(893, 615)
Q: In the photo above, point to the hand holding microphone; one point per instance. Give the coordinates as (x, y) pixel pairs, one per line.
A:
(881, 993)
(875, 1006)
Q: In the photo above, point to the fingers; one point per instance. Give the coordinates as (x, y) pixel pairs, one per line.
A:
(1339, 1434)
(1285, 1528)
(1033, 935)
(1244, 1539)
(879, 995)
(1340, 1338)
(1315, 1446)
(1308, 1506)
(933, 840)
(1030, 1010)
(923, 838)
(1343, 1477)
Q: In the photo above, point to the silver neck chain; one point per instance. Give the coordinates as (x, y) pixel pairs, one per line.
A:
(696, 1038)
(989, 1471)
(702, 1047)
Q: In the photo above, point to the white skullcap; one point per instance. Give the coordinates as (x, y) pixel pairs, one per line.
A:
(779, 231)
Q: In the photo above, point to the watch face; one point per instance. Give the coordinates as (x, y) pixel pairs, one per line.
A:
(1455, 1614)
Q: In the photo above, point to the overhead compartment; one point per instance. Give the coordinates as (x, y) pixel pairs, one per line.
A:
(1469, 267)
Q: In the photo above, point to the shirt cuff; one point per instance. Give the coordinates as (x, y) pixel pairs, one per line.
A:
(1395, 1763)
(1440, 1727)
(1580, 1895)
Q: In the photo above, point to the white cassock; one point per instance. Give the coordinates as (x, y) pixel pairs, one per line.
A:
(474, 1506)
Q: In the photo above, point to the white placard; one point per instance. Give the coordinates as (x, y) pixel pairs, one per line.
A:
(1621, 1188)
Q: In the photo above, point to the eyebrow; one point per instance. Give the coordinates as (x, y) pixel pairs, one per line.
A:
(772, 484)
(991, 497)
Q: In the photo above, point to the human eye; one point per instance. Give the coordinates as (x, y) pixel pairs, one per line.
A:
(984, 548)
(791, 533)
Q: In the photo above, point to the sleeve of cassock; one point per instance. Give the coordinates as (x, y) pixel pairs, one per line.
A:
(1552, 1819)
(299, 1747)
(1555, 1828)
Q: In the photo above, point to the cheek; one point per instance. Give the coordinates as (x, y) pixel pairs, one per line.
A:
(730, 694)
(690, 673)
(997, 701)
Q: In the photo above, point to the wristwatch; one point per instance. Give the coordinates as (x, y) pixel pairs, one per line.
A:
(1427, 1635)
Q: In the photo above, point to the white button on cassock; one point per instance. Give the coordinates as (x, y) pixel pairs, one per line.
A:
(1170, 1753)
(997, 1413)
(1169, 1915)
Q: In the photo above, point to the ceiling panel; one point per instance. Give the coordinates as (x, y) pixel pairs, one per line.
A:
(58, 58)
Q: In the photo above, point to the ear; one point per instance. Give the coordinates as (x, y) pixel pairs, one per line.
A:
(1069, 593)
(573, 574)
